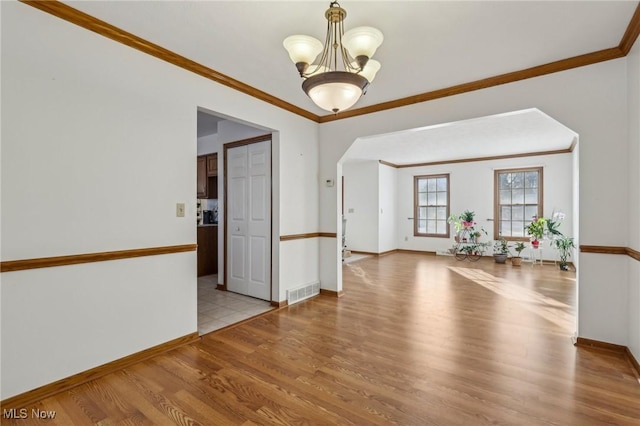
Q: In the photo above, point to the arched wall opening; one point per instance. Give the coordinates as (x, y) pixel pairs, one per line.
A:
(377, 173)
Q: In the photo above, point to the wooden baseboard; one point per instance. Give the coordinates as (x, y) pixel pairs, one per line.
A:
(589, 343)
(42, 392)
(222, 287)
(384, 253)
(279, 304)
(633, 362)
(429, 253)
(368, 253)
(331, 293)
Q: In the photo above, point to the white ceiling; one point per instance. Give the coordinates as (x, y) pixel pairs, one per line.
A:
(504, 134)
(428, 45)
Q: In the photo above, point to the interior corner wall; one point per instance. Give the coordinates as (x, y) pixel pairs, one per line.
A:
(112, 153)
(388, 208)
(208, 144)
(590, 100)
(633, 75)
(361, 205)
(299, 196)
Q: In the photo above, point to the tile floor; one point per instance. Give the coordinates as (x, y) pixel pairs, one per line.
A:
(218, 309)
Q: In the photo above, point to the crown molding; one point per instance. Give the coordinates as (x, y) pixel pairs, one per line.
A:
(631, 34)
(63, 11)
(84, 20)
(624, 47)
(537, 71)
(474, 159)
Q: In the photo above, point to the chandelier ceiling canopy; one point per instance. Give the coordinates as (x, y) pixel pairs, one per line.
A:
(337, 73)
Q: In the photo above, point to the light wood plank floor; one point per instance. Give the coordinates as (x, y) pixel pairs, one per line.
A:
(415, 340)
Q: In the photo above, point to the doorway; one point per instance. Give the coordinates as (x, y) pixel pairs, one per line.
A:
(248, 217)
(216, 307)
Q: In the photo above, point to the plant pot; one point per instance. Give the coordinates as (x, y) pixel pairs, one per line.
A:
(535, 244)
(457, 238)
(516, 261)
(564, 267)
(500, 258)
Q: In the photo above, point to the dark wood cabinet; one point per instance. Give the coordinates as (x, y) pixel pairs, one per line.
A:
(207, 250)
(208, 176)
(212, 165)
(212, 185)
(202, 187)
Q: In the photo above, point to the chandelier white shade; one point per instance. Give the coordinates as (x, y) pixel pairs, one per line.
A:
(362, 41)
(302, 48)
(335, 91)
(337, 73)
(369, 71)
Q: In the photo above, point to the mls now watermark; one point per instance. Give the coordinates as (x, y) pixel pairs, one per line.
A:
(23, 413)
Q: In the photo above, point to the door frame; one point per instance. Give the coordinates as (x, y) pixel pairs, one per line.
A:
(225, 148)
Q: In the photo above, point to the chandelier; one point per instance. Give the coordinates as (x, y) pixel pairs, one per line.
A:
(345, 68)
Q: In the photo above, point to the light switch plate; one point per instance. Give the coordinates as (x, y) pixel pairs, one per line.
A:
(179, 209)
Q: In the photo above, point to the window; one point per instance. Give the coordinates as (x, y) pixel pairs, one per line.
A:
(431, 206)
(518, 198)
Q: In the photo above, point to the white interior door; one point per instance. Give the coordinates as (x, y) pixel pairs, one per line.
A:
(249, 220)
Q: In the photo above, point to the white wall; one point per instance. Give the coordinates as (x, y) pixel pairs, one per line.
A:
(208, 144)
(388, 209)
(633, 75)
(98, 145)
(370, 206)
(471, 188)
(361, 205)
(590, 100)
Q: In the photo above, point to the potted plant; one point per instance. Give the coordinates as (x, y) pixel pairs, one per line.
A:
(457, 224)
(552, 228)
(517, 259)
(467, 218)
(564, 246)
(475, 235)
(500, 250)
(536, 230)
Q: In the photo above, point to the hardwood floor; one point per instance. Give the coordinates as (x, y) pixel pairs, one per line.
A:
(415, 340)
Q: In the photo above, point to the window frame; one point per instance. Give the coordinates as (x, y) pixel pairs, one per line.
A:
(496, 198)
(416, 199)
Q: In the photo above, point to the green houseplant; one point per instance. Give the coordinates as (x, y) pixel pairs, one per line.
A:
(500, 250)
(467, 218)
(565, 246)
(465, 222)
(475, 234)
(456, 222)
(536, 229)
(517, 259)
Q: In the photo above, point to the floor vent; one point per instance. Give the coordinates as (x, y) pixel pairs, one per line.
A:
(301, 293)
